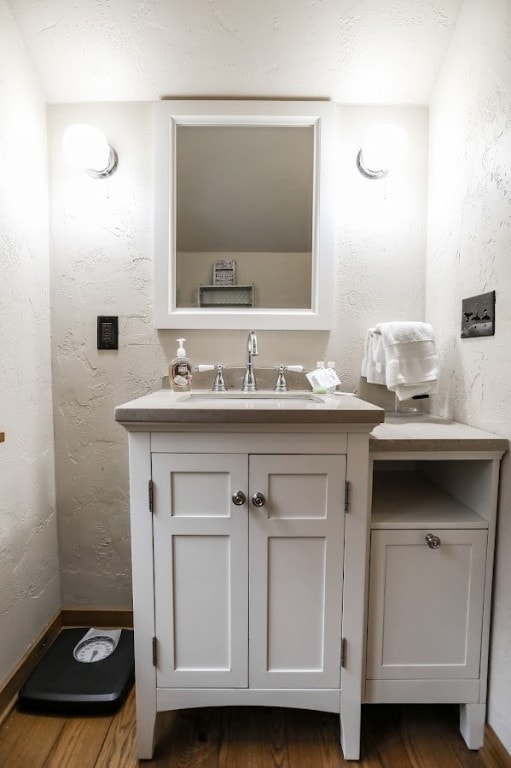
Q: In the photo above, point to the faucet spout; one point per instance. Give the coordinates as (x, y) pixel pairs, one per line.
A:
(249, 383)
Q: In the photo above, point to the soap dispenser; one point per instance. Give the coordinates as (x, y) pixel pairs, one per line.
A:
(180, 370)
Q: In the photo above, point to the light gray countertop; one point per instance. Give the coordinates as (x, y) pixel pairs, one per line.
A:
(398, 434)
(429, 433)
(296, 407)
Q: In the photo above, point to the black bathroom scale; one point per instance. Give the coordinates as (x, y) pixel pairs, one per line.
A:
(84, 671)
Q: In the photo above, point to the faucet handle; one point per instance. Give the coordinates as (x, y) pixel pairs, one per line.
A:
(281, 383)
(203, 368)
(219, 383)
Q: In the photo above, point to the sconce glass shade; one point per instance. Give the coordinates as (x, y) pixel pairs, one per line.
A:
(87, 148)
(383, 149)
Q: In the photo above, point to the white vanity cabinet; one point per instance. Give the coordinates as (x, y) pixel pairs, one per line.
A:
(248, 540)
(432, 534)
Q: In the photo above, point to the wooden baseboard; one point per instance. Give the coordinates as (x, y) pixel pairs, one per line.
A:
(90, 617)
(10, 688)
(494, 747)
(65, 618)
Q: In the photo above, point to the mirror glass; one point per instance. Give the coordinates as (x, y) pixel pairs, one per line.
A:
(244, 196)
(241, 234)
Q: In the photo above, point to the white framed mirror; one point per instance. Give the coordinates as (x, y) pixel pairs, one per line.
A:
(243, 225)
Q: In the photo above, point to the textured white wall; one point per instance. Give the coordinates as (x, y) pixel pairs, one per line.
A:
(362, 52)
(469, 246)
(380, 236)
(29, 575)
(102, 264)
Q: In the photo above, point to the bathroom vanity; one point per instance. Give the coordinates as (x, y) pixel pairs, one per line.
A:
(252, 523)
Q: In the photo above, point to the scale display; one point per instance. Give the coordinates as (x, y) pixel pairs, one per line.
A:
(96, 645)
(84, 671)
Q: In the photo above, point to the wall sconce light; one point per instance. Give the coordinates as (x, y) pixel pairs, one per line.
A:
(87, 148)
(383, 149)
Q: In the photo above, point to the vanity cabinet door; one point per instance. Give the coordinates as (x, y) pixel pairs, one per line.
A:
(296, 539)
(200, 569)
(425, 604)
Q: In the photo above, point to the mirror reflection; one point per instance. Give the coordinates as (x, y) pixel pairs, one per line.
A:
(244, 216)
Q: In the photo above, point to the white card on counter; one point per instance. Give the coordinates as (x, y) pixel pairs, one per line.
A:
(323, 378)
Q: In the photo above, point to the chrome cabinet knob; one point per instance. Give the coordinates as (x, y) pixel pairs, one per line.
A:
(432, 541)
(239, 498)
(258, 500)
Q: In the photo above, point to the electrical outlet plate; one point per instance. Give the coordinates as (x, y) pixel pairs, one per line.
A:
(478, 315)
(108, 332)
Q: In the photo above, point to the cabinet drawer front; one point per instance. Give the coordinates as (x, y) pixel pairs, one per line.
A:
(200, 555)
(425, 604)
(296, 557)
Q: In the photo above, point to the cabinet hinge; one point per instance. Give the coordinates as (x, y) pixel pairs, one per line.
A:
(155, 652)
(347, 496)
(150, 488)
(343, 652)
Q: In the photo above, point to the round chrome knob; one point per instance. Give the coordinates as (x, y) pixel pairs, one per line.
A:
(258, 500)
(239, 498)
(432, 541)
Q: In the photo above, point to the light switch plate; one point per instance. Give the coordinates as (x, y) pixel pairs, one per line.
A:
(478, 315)
(108, 332)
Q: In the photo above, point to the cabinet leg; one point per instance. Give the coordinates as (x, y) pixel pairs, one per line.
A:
(350, 731)
(472, 717)
(146, 722)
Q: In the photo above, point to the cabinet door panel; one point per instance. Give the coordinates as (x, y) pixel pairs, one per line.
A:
(296, 599)
(201, 602)
(287, 491)
(425, 606)
(206, 495)
(296, 556)
(200, 554)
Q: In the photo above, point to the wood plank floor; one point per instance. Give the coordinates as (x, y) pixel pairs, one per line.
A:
(410, 736)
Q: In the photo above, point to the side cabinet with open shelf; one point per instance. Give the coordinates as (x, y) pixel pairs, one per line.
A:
(432, 533)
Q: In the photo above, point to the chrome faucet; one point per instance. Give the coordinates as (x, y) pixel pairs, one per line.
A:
(249, 381)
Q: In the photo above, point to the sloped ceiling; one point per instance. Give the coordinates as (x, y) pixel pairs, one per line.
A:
(370, 51)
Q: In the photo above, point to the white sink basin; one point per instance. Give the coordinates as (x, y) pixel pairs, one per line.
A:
(262, 398)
